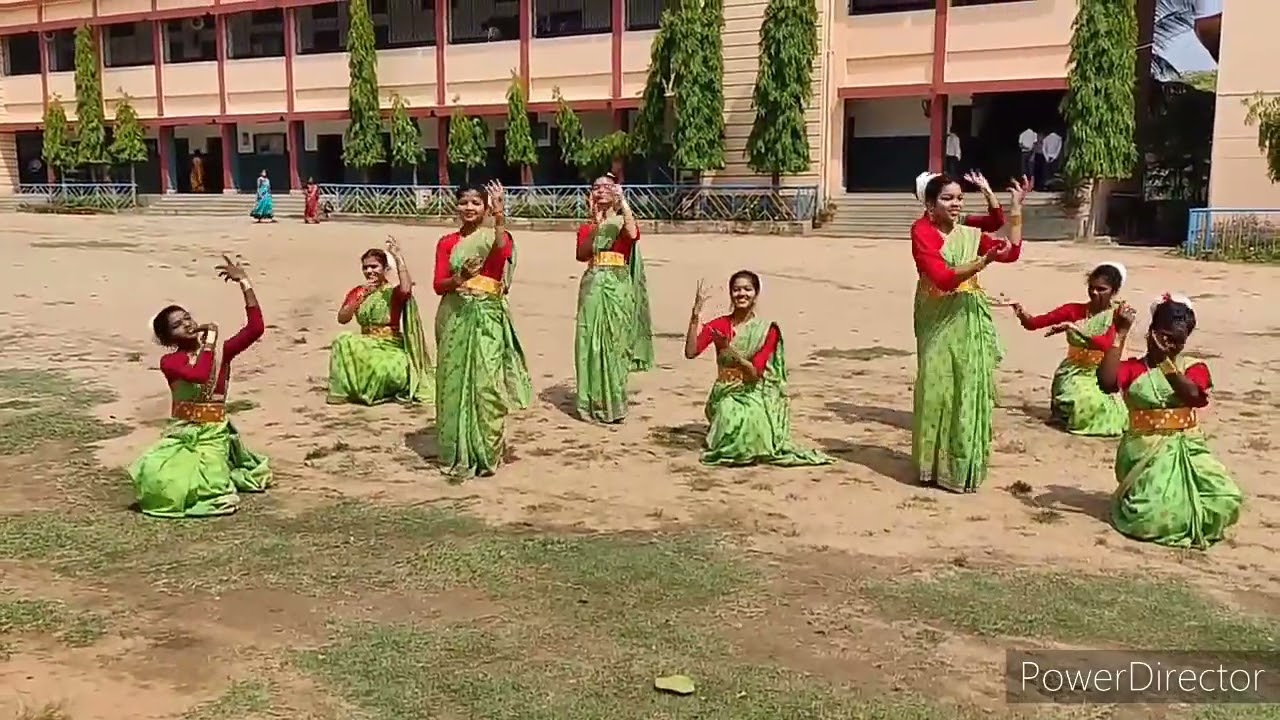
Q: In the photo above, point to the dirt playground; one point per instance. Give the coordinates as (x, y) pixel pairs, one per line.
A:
(365, 586)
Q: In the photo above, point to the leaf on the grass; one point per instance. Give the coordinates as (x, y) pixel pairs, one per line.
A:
(678, 684)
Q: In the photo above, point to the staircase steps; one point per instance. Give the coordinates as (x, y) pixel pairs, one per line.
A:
(889, 215)
(224, 205)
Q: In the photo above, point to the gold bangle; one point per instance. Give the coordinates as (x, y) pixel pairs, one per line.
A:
(1167, 367)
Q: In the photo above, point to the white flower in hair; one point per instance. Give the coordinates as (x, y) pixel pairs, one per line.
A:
(1120, 268)
(921, 181)
(1172, 297)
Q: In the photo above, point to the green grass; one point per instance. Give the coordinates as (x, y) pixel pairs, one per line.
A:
(426, 612)
(1109, 610)
(243, 699)
(43, 406)
(23, 616)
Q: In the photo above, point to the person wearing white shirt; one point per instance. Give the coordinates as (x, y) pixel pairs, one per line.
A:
(1027, 143)
(952, 166)
(1051, 151)
(1209, 25)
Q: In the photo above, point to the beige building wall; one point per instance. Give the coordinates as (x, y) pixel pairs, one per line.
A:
(1238, 174)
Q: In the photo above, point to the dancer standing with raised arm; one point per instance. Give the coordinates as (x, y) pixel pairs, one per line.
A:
(957, 349)
(613, 336)
(481, 373)
(200, 464)
(1171, 489)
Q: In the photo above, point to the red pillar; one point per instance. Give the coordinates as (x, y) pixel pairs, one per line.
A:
(44, 83)
(229, 145)
(937, 130)
(442, 142)
(293, 129)
(164, 144)
(220, 38)
(157, 52)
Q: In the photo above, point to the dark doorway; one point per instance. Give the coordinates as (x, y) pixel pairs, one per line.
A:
(213, 165)
(329, 167)
(182, 150)
(30, 147)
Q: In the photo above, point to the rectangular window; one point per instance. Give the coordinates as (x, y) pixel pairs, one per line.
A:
(966, 3)
(62, 50)
(645, 14)
(269, 144)
(127, 45)
(869, 7)
(477, 21)
(193, 39)
(22, 54)
(255, 34)
(396, 24)
(565, 18)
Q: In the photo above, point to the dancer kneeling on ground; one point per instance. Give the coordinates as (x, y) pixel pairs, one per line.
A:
(388, 360)
(200, 464)
(1172, 490)
(1076, 402)
(748, 409)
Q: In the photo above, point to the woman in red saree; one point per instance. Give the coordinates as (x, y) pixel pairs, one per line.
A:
(311, 210)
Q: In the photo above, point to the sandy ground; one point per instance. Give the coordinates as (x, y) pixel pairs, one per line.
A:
(83, 290)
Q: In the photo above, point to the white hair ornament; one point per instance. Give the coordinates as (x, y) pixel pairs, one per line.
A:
(1120, 268)
(1172, 297)
(922, 180)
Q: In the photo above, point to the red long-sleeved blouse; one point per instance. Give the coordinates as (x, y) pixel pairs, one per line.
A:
(1133, 368)
(494, 264)
(724, 325)
(926, 250)
(1069, 313)
(178, 366)
(621, 244)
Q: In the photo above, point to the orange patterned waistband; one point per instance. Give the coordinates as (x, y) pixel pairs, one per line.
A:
(968, 286)
(483, 285)
(200, 412)
(731, 374)
(608, 259)
(1145, 422)
(386, 332)
(1084, 357)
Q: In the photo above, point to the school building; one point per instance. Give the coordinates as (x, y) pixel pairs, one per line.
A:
(263, 84)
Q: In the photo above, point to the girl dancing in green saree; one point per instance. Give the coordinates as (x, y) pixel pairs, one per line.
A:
(1076, 402)
(200, 464)
(388, 360)
(614, 334)
(1171, 489)
(481, 373)
(748, 409)
(956, 345)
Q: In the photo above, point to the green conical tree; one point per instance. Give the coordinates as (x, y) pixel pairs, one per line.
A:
(1264, 112)
(1099, 105)
(406, 137)
(363, 146)
(568, 130)
(592, 157)
(521, 151)
(58, 150)
(467, 137)
(698, 61)
(91, 132)
(649, 132)
(779, 144)
(128, 144)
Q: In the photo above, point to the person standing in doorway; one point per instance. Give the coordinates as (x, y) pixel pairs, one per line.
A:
(952, 165)
(1050, 152)
(1027, 143)
(197, 172)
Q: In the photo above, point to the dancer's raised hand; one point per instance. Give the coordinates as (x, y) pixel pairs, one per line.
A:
(232, 270)
(700, 298)
(497, 197)
(1018, 190)
(471, 267)
(393, 247)
(1124, 317)
(980, 180)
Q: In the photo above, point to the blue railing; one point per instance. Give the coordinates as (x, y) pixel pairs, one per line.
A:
(1233, 234)
(725, 203)
(80, 195)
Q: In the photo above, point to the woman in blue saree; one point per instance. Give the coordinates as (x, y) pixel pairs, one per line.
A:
(264, 209)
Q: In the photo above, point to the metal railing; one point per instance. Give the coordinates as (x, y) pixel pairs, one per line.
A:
(81, 195)
(1251, 235)
(725, 203)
